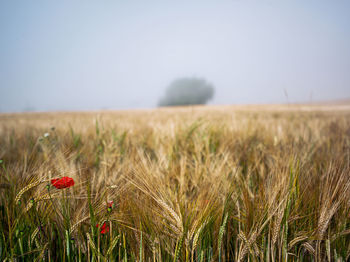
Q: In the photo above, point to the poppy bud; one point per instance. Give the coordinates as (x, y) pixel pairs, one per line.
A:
(110, 204)
(104, 228)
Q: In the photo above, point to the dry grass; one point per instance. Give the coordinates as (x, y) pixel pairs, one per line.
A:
(229, 183)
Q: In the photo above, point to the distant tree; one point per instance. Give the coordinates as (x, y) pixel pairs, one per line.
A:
(187, 91)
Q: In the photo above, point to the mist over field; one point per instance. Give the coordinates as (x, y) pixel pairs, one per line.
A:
(175, 131)
(88, 55)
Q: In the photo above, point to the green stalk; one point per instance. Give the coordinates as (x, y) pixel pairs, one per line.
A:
(141, 247)
(92, 215)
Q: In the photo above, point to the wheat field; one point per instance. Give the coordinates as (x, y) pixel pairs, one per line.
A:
(218, 183)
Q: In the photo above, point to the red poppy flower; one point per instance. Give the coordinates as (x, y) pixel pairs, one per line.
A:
(104, 228)
(63, 182)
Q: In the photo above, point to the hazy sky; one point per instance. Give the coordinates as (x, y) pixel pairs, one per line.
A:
(82, 55)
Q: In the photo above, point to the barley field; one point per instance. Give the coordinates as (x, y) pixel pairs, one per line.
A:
(217, 183)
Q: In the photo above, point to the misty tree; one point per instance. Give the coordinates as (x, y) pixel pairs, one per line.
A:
(187, 91)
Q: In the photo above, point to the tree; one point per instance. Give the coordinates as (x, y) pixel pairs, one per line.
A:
(187, 91)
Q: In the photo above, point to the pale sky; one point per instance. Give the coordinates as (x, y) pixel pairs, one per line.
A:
(88, 55)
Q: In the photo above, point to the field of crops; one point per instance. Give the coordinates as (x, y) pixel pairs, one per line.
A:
(244, 183)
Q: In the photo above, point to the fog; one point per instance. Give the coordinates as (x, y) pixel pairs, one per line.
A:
(90, 55)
